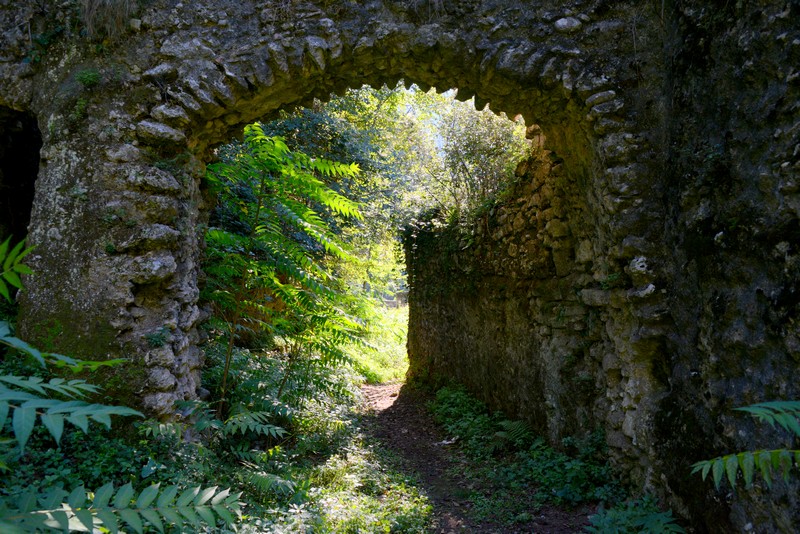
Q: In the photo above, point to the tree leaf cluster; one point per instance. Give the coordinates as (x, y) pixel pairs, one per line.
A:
(765, 463)
(79, 510)
(266, 258)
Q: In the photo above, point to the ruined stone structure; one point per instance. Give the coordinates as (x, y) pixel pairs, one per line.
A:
(643, 278)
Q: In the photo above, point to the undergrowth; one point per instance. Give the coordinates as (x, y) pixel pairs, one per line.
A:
(511, 473)
(384, 359)
(323, 476)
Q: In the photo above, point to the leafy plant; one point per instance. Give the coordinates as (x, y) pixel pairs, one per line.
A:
(514, 460)
(59, 510)
(50, 358)
(30, 400)
(88, 78)
(264, 271)
(785, 414)
(158, 338)
(633, 517)
(11, 262)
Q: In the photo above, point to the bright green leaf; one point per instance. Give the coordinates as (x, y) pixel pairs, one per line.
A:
(152, 517)
(747, 463)
(13, 279)
(54, 424)
(732, 469)
(86, 519)
(187, 496)
(204, 495)
(77, 498)
(108, 519)
(168, 495)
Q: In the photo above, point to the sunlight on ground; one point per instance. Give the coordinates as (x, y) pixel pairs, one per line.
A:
(387, 358)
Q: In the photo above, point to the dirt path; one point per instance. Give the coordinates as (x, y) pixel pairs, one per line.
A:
(404, 426)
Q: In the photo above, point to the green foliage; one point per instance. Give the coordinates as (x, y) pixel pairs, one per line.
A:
(31, 399)
(766, 463)
(158, 338)
(633, 517)
(264, 263)
(77, 114)
(12, 266)
(88, 78)
(59, 510)
(362, 493)
(523, 473)
(50, 358)
(386, 358)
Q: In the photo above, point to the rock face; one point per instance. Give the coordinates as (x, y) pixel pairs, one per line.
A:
(642, 278)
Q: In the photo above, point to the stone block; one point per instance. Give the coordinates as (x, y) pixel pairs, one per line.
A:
(595, 297)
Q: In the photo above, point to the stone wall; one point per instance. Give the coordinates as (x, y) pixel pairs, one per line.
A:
(656, 320)
(643, 278)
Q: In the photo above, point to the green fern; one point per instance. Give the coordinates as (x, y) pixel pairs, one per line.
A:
(12, 266)
(265, 272)
(268, 483)
(52, 403)
(783, 413)
(30, 398)
(59, 510)
(514, 432)
(255, 422)
(763, 462)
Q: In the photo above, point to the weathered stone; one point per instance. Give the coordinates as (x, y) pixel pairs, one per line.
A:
(158, 133)
(172, 114)
(595, 297)
(155, 236)
(124, 154)
(568, 25)
(152, 267)
(153, 180)
(557, 228)
(161, 379)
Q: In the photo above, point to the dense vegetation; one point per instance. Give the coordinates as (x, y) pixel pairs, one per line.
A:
(303, 275)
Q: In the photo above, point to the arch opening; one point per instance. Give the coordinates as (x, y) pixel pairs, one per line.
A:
(20, 142)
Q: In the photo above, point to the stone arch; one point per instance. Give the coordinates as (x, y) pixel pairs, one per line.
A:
(119, 210)
(123, 184)
(122, 161)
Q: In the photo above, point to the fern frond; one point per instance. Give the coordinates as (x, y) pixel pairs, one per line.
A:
(58, 510)
(156, 429)
(266, 482)
(763, 462)
(783, 413)
(256, 422)
(28, 400)
(11, 266)
(514, 431)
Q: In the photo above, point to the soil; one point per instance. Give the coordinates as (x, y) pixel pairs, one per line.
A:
(402, 424)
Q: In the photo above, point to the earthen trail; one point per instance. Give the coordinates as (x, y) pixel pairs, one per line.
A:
(403, 425)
